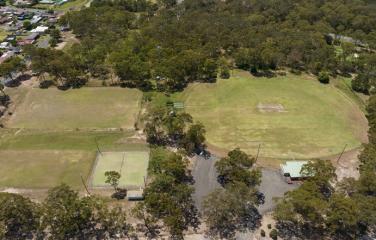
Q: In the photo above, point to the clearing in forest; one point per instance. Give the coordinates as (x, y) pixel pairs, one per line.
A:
(290, 116)
(83, 108)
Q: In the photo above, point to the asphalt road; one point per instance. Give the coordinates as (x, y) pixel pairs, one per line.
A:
(205, 176)
(272, 186)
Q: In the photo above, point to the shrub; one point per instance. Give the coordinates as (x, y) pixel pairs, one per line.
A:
(361, 84)
(225, 73)
(269, 226)
(262, 233)
(324, 77)
(273, 234)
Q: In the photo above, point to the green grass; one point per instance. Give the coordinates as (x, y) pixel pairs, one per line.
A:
(44, 169)
(43, 147)
(132, 165)
(319, 119)
(43, 159)
(68, 140)
(77, 108)
(75, 4)
(3, 34)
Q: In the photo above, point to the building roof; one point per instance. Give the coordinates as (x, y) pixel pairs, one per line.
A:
(135, 194)
(32, 36)
(39, 29)
(293, 168)
(6, 56)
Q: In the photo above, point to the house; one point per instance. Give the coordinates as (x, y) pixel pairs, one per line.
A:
(4, 19)
(39, 29)
(35, 19)
(10, 38)
(332, 38)
(291, 170)
(4, 45)
(6, 56)
(29, 39)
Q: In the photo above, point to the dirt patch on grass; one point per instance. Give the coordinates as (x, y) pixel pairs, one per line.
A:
(270, 107)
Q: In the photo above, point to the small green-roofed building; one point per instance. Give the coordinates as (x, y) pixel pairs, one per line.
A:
(292, 169)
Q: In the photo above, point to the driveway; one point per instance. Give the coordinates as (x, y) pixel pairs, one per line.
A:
(205, 176)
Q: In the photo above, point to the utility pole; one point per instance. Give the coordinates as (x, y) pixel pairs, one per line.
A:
(258, 152)
(83, 182)
(341, 154)
(96, 143)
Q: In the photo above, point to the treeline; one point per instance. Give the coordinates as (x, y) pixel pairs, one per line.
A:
(62, 215)
(166, 45)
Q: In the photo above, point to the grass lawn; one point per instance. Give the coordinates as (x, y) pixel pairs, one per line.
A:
(71, 5)
(132, 165)
(77, 108)
(44, 169)
(315, 120)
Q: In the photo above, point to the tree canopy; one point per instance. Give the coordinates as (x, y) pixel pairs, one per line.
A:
(166, 45)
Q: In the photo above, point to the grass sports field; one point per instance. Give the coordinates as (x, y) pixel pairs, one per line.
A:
(42, 159)
(77, 108)
(132, 165)
(290, 116)
(44, 168)
(48, 139)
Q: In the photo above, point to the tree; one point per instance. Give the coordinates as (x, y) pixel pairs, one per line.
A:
(236, 168)
(169, 163)
(194, 138)
(323, 77)
(363, 82)
(321, 172)
(171, 201)
(225, 72)
(300, 213)
(168, 198)
(66, 215)
(12, 65)
(19, 217)
(226, 211)
(273, 234)
(112, 178)
(343, 217)
(27, 25)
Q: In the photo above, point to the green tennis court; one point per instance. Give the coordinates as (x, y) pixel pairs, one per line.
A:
(132, 165)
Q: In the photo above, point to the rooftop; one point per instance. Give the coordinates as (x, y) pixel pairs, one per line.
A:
(293, 168)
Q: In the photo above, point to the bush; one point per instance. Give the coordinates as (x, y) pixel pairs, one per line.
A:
(262, 233)
(324, 77)
(361, 84)
(269, 226)
(273, 234)
(225, 73)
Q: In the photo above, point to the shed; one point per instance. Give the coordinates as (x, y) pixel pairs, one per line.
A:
(292, 169)
(135, 195)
